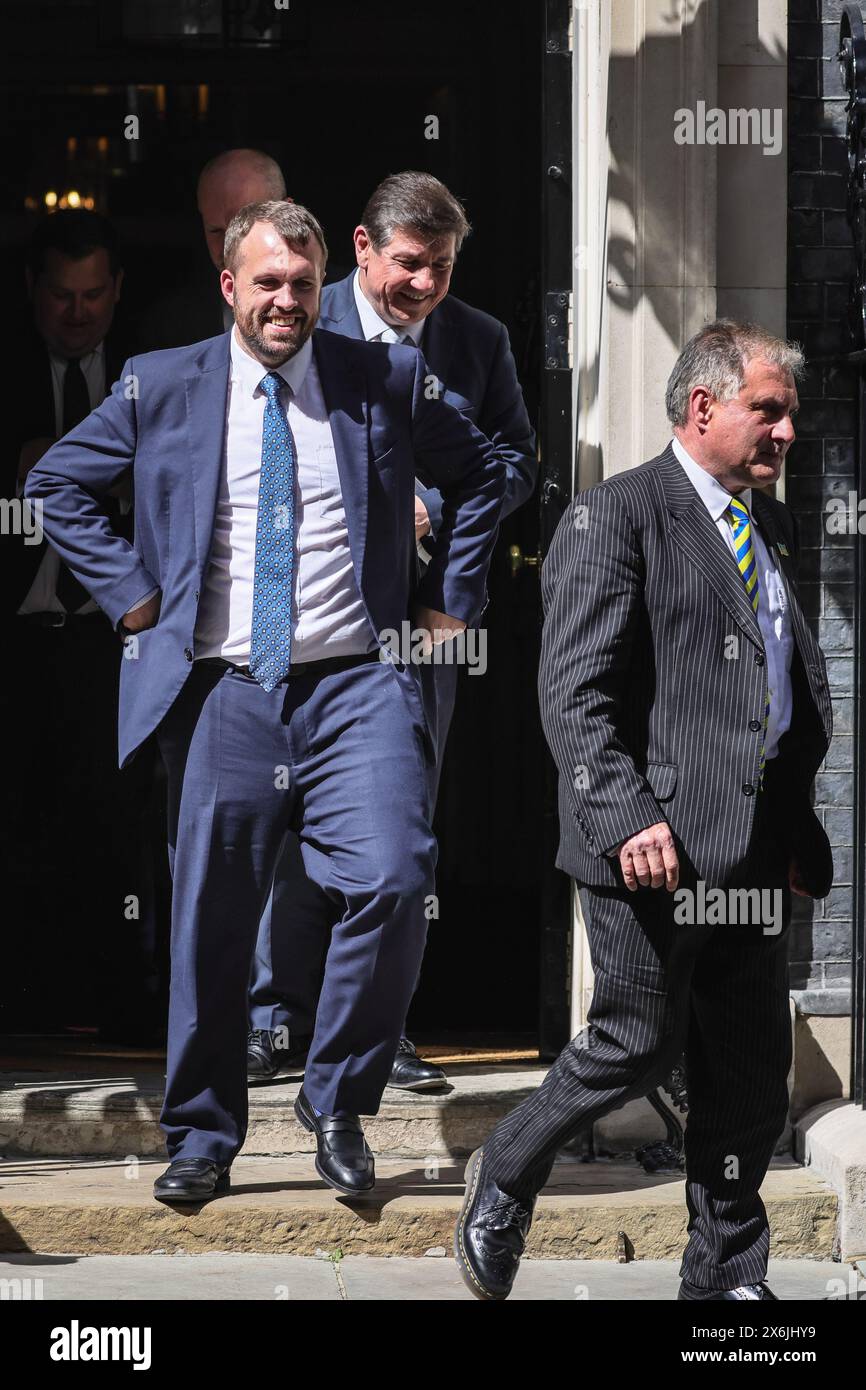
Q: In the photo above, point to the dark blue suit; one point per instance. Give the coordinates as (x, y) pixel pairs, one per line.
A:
(340, 759)
(468, 351)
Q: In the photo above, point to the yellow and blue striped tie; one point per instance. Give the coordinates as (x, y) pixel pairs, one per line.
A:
(738, 516)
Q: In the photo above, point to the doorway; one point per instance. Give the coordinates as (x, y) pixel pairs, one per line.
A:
(341, 95)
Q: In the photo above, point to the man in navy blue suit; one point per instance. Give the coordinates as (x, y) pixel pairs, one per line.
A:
(406, 246)
(273, 469)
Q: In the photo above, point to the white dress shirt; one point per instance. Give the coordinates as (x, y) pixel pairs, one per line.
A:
(328, 617)
(42, 597)
(774, 618)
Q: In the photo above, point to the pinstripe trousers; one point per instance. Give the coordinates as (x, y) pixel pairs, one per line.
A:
(717, 993)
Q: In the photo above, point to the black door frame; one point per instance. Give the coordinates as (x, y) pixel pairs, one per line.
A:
(556, 431)
(852, 54)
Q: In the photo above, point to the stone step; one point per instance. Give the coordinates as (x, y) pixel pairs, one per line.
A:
(601, 1210)
(88, 1111)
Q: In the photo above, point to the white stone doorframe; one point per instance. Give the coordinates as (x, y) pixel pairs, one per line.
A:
(662, 242)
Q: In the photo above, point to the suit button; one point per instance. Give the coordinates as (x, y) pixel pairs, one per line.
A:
(748, 789)
(197, 595)
(754, 725)
(187, 651)
(759, 659)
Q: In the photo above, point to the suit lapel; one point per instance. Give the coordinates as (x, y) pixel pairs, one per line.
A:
(438, 342)
(697, 535)
(806, 643)
(345, 391)
(206, 397)
(776, 544)
(340, 313)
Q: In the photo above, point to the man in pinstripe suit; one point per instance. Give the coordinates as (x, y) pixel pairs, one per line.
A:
(685, 701)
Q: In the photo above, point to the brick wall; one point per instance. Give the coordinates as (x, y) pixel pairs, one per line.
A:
(821, 463)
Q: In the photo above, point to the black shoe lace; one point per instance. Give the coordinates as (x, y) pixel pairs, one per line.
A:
(255, 1036)
(508, 1213)
(404, 1045)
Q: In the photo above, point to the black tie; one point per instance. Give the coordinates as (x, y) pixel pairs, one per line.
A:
(76, 405)
(76, 397)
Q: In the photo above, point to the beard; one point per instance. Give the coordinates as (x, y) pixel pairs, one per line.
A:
(271, 349)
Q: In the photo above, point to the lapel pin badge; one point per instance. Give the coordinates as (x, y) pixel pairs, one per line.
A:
(782, 549)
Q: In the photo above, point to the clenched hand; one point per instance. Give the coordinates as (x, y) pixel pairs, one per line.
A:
(650, 859)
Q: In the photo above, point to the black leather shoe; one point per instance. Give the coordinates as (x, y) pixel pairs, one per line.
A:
(266, 1061)
(692, 1293)
(490, 1234)
(191, 1180)
(343, 1158)
(411, 1073)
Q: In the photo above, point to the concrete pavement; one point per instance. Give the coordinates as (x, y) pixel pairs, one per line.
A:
(288, 1278)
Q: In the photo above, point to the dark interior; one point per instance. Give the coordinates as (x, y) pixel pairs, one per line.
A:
(340, 94)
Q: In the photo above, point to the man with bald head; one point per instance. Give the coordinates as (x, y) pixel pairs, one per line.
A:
(197, 310)
(226, 184)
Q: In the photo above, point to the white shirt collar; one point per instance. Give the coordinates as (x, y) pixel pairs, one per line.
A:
(87, 361)
(372, 325)
(715, 498)
(248, 372)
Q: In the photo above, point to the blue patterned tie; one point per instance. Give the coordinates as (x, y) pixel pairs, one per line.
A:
(271, 639)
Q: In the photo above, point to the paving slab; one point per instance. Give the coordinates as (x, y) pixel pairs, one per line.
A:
(287, 1278)
(600, 1210)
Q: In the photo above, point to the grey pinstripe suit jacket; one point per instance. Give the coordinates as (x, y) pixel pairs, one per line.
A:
(653, 680)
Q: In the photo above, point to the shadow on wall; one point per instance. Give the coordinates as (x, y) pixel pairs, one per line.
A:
(652, 260)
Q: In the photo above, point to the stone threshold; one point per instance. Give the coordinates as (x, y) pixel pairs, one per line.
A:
(602, 1210)
(112, 1113)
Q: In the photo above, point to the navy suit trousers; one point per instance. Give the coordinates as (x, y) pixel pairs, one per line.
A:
(339, 759)
(296, 924)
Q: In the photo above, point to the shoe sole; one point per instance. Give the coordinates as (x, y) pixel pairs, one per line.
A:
(419, 1086)
(326, 1178)
(292, 1074)
(221, 1187)
(468, 1274)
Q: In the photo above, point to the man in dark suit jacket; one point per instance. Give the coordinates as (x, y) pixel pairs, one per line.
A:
(406, 245)
(685, 702)
(80, 959)
(273, 471)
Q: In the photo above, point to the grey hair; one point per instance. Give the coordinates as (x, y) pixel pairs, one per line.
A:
(716, 358)
(245, 162)
(418, 202)
(294, 223)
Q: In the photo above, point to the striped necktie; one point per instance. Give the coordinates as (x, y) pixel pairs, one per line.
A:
(738, 516)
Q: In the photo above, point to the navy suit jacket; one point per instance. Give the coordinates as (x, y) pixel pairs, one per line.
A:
(470, 354)
(166, 418)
